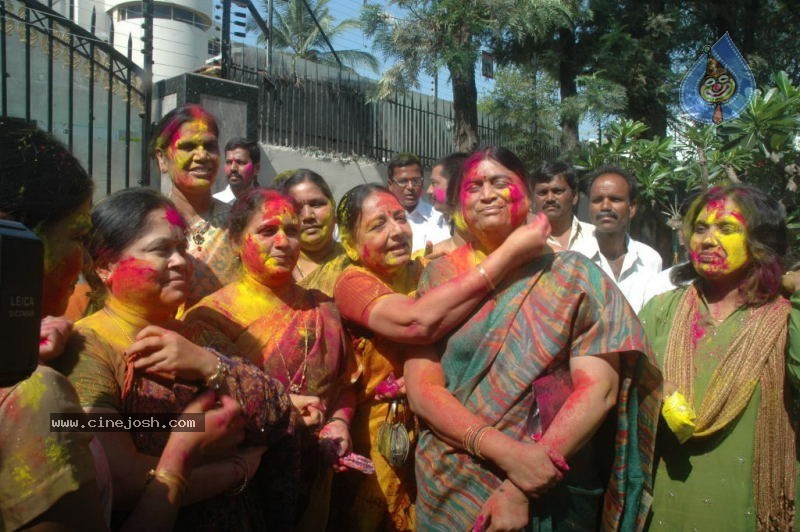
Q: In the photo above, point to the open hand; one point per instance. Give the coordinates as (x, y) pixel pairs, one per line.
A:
(528, 240)
(162, 351)
(223, 428)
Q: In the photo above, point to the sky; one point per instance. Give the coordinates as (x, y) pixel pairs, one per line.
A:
(355, 40)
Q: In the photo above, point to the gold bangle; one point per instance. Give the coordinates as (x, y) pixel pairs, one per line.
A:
(470, 438)
(479, 438)
(169, 479)
(240, 464)
(486, 277)
(215, 381)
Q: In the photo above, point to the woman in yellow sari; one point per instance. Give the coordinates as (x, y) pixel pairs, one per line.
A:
(292, 334)
(131, 358)
(322, 259)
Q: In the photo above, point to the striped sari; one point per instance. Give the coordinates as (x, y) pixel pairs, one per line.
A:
(509, 361)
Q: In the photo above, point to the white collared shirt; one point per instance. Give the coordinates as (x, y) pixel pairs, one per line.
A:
(226, 195)
(579, 232)
(428, 225)
(641, 262)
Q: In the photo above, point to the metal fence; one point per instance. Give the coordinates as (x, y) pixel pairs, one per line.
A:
(76, 86)
(312, 106)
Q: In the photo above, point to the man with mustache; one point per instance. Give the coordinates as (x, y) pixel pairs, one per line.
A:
(555, 193)
(404, 179)
(242, 164)
(612, 205)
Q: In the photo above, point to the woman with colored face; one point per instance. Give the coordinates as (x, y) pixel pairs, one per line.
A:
(723, 339)
(186, 149)
(292, 334)
(321, 259)
(513, 401)
(46, 475)
(373, 295)
(132, 356)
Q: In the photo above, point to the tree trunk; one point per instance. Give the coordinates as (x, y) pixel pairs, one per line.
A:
(465, 107)
(567, 72)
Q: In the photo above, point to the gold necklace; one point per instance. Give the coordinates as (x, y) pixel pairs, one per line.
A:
(197, 231)
(295, 387)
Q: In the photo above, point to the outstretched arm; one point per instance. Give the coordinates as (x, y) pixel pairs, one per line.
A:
(428, 318)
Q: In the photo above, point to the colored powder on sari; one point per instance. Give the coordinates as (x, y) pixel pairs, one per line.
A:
(509, 360)
(37, 466)
(298, 340)
(324, 277)
(211, 256)
(95, 364)
(707, 483)
(384, 501)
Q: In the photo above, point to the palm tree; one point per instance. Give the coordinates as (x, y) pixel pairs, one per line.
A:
(294, 29)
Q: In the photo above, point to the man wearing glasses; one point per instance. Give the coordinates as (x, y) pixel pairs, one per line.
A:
(405, 181)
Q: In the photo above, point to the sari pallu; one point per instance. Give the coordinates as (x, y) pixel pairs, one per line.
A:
(300, 344)
(558, 307)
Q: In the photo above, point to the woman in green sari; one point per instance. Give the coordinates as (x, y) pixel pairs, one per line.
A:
(721, 339)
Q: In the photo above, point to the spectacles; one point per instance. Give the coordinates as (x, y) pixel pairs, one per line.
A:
(410, 182)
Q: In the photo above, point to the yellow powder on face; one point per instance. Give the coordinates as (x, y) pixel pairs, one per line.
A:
(725, 226)
(735, 246)
(181, 158)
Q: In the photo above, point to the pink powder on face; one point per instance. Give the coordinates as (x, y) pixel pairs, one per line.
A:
(133, 277)
(716, 205)
(439, 195)
(517, 200)
(252, 256)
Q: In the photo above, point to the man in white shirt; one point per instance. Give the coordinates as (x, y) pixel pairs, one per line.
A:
(555, 193)
(242, 164)
(612, 205)
(404, 179)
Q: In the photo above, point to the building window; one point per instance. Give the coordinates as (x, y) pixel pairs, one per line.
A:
(164, 11)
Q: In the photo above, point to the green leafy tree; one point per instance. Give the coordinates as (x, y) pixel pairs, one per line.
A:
(527, 109)
(760, 148)
(294, 29)
(424, 37)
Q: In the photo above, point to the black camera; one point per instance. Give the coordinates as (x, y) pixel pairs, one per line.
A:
(21, 273)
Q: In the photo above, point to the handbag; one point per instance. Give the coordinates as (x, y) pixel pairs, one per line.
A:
(393, 440)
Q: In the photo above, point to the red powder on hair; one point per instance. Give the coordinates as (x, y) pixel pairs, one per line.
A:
(175, 218)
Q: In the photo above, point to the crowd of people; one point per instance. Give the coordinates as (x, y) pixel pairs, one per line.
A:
(483, 361)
